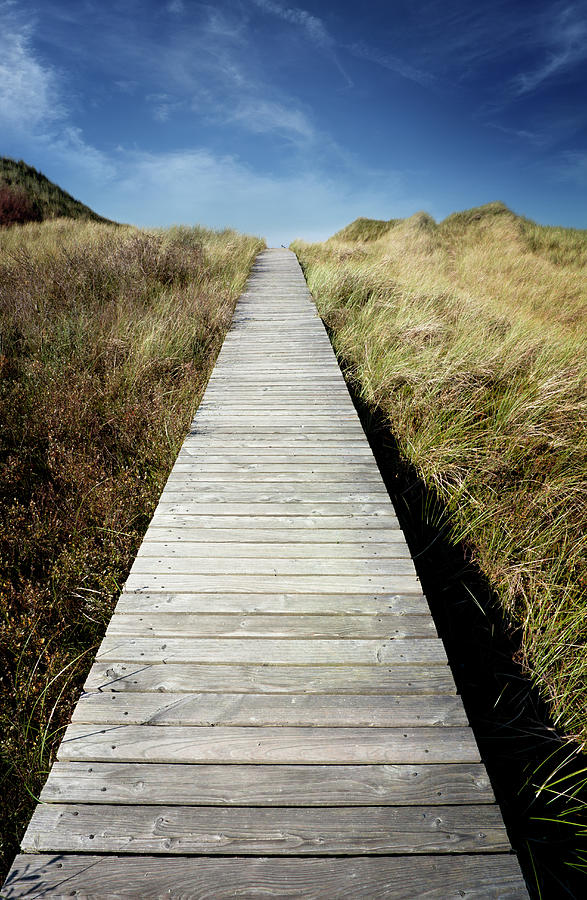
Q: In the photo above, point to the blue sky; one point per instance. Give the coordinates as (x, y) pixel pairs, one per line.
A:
(290, 121)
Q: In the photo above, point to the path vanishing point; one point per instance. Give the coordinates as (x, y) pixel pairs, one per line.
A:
(271, 712)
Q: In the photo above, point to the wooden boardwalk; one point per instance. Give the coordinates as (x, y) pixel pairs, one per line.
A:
(271, 713)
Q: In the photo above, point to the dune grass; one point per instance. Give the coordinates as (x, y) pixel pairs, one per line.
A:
(107, 336)
(470, 336)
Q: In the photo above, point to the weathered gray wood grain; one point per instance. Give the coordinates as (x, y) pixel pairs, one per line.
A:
(333, 710)
(184, 624)
(477, 877)
(267, 744)
(239, 544)
(331, 525)
(366, 604)
(281, 831)
(274, 651)
(262, 452)
(180, 480)
(229, 564)
(385, 542)
(259, 785)
(269, 472)
(259, 678)
(314, 508)
(268, 583)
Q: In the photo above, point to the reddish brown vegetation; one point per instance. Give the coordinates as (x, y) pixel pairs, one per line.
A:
(17, 207)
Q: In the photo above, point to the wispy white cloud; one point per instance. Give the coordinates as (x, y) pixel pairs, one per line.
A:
(29, 89)
(393, 63)
(313, 27)
(69, 146)
(262, 116)
(33, 110)
(126, 86)
(219, 25)
(175, 7)
(538, 139)
(563, 40)
(211, 73)
(162, 105)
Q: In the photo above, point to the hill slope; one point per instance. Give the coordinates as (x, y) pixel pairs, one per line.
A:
(28, 195)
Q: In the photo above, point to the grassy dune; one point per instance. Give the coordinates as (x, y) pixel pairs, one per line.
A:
(470, 336)
(39, 197)
(107, 336)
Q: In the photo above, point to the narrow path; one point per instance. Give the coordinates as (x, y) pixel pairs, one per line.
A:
(271, 712)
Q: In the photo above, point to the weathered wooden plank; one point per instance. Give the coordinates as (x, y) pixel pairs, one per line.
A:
(258, 415)
(300, 451)
(288, 584)
(329, 524)
(314, 360)
(379, 541)
(232, 563)
(237, 468)
(228, 423)
(241, 545)
(347, 479)
(261, 604)
(278, 831)
(253, 399)
(174, 624)
(249, 376)
(382, 511)
(330, 431)
(273, 651)
(280, 744)
(215, 392)
(258, 785)
(250, 400)
(280, 492)
(247, 400)
(185, 478)
(270, 493)
(478, 877)
(250, 438)
(333, 710)
(259, 678)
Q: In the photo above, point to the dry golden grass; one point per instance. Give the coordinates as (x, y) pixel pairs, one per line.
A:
(470, 336)
(107, 336)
